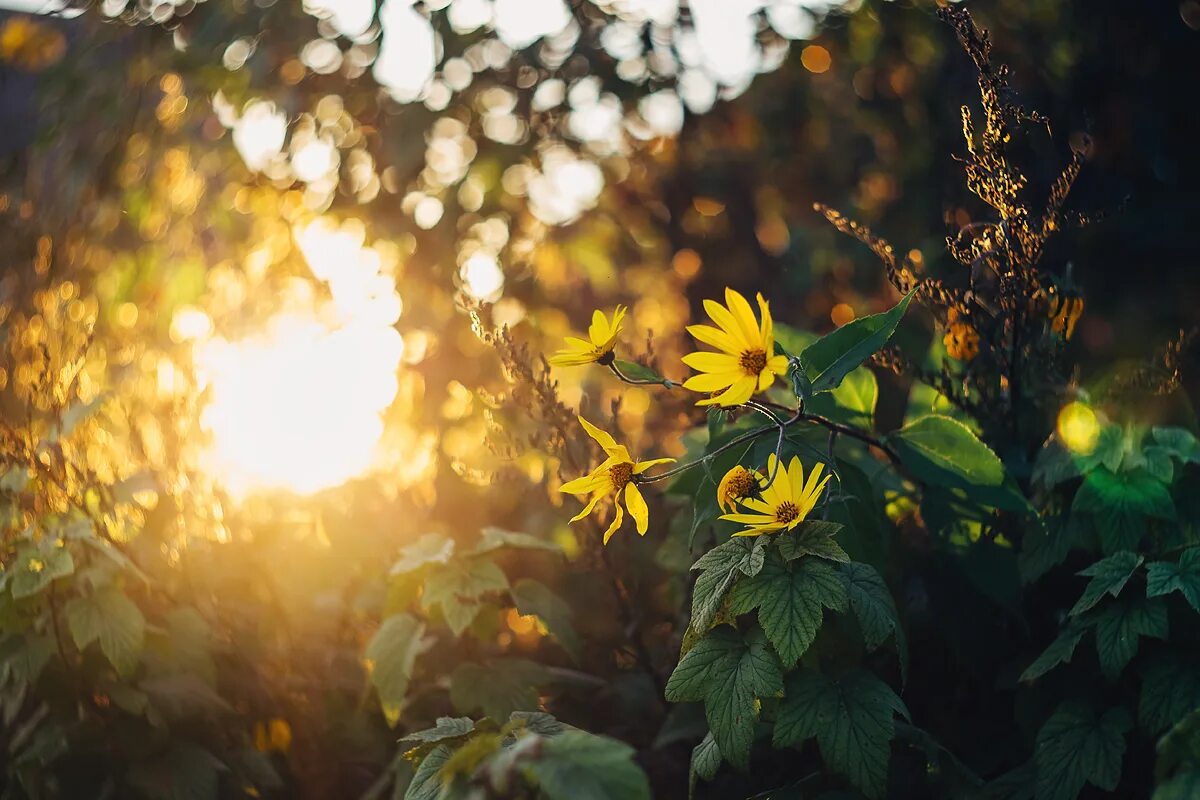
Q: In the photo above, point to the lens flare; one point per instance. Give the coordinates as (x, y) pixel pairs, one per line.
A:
(1078, 428)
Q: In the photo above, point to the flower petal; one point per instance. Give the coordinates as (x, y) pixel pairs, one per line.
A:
(598, 331)
(642, 466)
(711, 362)
(715, 337)
(604, 439)
(587, 483)
(741, 391)
(767, 326)
(778, 364)
(765, 379)
(749, 519)
(567, 358)
(637, 508)
(740, 308)
(728, 323)
(795, 481)
(760, 530)
(588, 508)
(616, 523)
(711, 381)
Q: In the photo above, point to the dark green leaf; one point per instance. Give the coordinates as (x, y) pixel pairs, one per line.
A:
(112, 618)
(392, 652)
(1180, 443)
(728, 672)
(740, 555)
(1108, 576)
(1120, 502)
(790, 597)
(813, 538)
(1120, 624)
(706, 760)
(639, 372)
(532, 597)
(580, 766)
(943, 451)
(852, 718)
(1170, 690)
(497, 689)
(1184, 577)
(426, 782)
(852, 403)
(872, 604)
(1060, 651)
(832, 357)
(1075, 747)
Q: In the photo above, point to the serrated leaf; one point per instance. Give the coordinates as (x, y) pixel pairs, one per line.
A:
(943, 451)
(446, 728)
(790, 598)
(493, 538)
(1170, 691)
(812, 538)
(426, 783)
(431, 548)
(852, 718)
(532, 597)
(829, 359)
(391, 653)
(705, 761)
(1120, 502)
(497, 689)
(1108, 576)
(1163, 577)
(114, 620)
(1119, 626)
(721, 566)
(457, 587)
(1060, 651)
(728, 672)
(1075, 747)
(36, 567)
(580, 766)
(875, 609)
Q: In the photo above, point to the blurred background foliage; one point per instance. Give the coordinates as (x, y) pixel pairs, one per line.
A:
(249, 248)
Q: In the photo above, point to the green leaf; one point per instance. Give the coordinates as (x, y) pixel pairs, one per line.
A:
(1170, 691)
(740, 555)
(790, 597)
(639, 372)
(1109, 575)
(1163, 577)
(446, 728)
(532, 597)
(852, 718)
(36, 567)
(432, 548)
(729, 673)
(1046, 546)
(872, 604)
(1184, 786)
(943, 451)
(1120, 502)
(1180, 443)
(185, 772)
(112, 618)
(497, 689)
(27, 655)
(705, 761)
(1060, 651)
(1120, 624)
(492, 538)
(832, 357)
(852, 403)
(392, 652)
(1076, 747)
(812, 538)
(580, 766)
(427, 781)
(457, 588)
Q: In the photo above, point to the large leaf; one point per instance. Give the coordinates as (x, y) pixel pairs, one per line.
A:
(852, 717)
(457, 587)
(1170, 691)
(391, 654)
(36, 567)
(872, 604)
(497, 689)
(426, 783)
(1076, 747)
(1120, 503)
(1060, 651)
(431, 548)
(1119, 626)
(1180, 443)
(852, 403)
(1184, 577)
(943, 451)
(729, 673)
(446, 728)
(812, 538)
(705, 761)
(579, 766)
(114, 620)
(532, 597)
(832, 357)
(742, 555)
(1109, 576)
(790, 597)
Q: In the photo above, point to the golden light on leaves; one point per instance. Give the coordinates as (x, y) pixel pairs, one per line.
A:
(1078, 428)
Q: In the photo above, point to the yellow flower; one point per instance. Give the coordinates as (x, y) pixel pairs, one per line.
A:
(739, 482)
(613, 475)
(746, 362)
(785, 503)
(36, 565)
(602, 336)
(275, 736)
(961, 340)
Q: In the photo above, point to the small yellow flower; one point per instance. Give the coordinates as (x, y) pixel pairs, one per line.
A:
(275, 736)
(1063, 320)
(785, 503)
(961, 339)
(36, 565)
(602, 336)
(613, 475)
(746, 362)
(738, 482)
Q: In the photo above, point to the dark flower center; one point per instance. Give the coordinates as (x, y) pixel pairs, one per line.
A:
(620, 474)
(740, 485)
(753, 361)
(786, 511)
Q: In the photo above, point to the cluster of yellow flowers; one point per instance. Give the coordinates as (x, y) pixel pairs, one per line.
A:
(745, 364)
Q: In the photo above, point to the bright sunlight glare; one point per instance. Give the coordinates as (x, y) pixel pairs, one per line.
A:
(299, 405)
